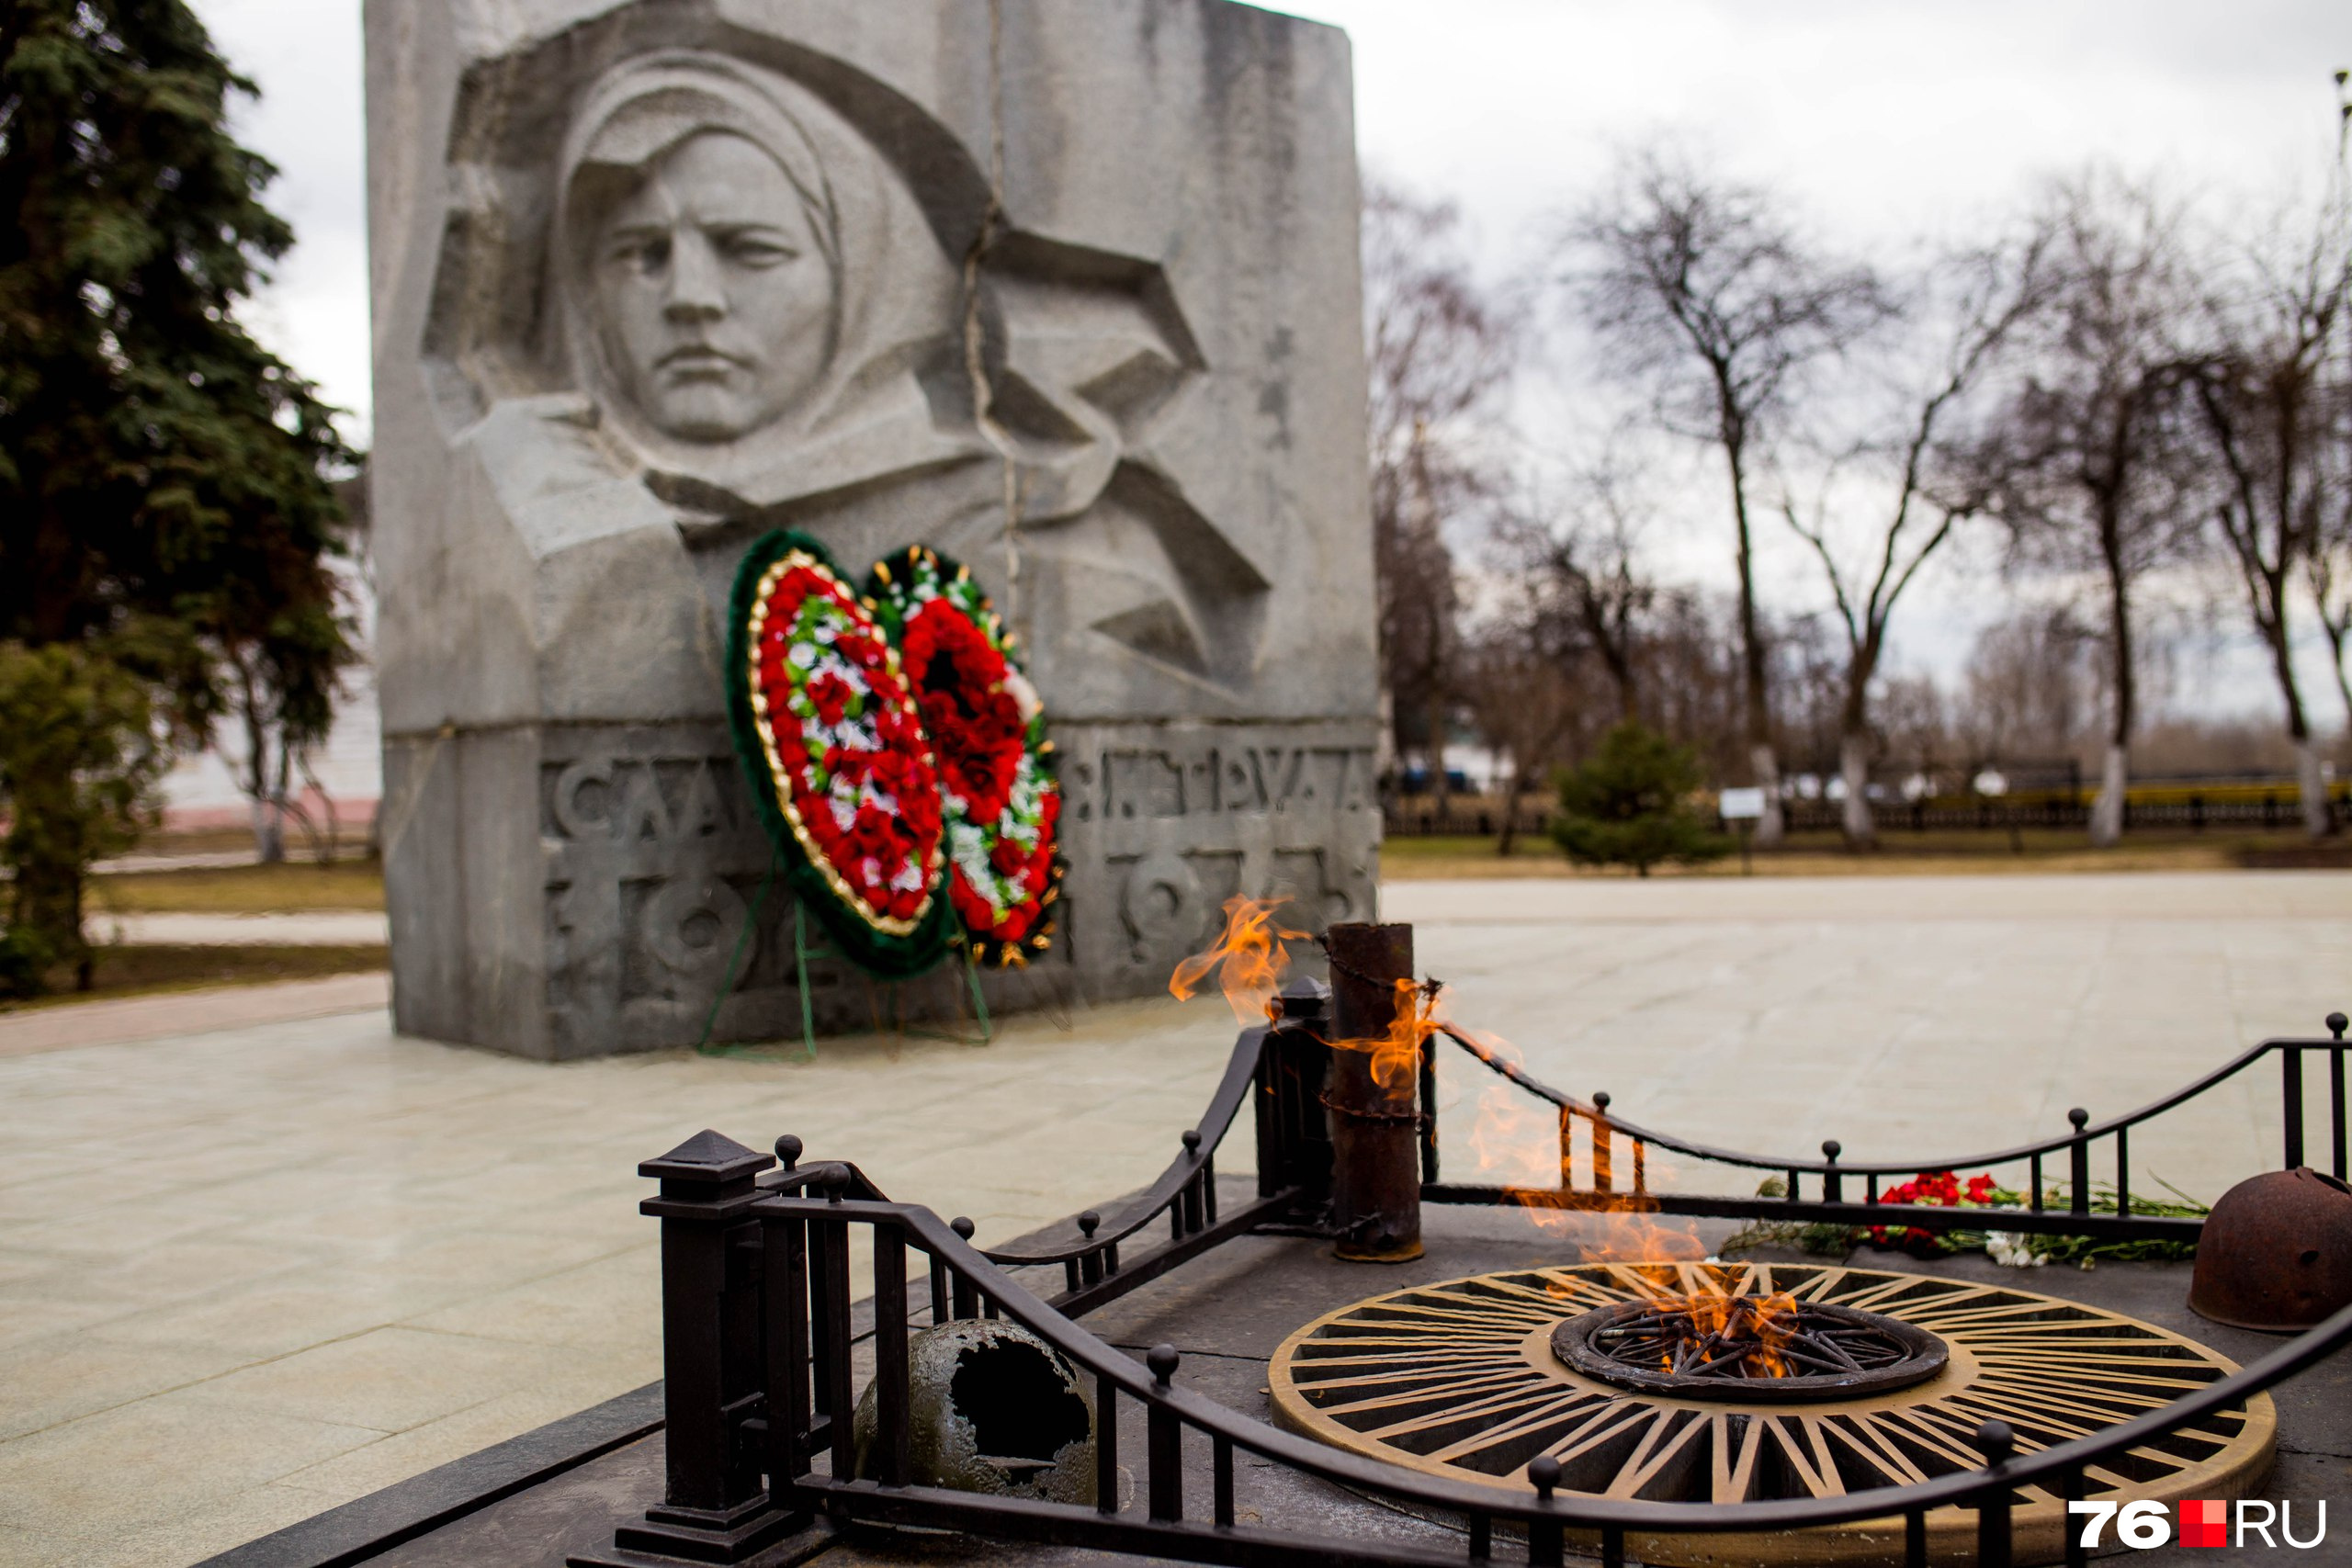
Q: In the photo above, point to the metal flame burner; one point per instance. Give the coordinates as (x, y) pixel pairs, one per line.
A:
(1757, 1350)
(1472, 1379)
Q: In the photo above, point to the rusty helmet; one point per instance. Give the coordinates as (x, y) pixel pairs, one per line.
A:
(2275, 1253)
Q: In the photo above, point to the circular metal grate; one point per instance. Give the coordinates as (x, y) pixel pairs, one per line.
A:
(1461, 1380)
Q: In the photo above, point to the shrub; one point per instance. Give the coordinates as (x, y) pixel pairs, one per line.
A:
(1632, 805)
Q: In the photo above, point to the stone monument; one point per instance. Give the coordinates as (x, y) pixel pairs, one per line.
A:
(1067, 288)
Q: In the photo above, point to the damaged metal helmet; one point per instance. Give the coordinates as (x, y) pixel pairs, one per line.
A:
(2275, 1253)
(993, 1409)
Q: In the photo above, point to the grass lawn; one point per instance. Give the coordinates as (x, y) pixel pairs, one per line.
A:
(143, 971)
(1956, 853)
(241, 889)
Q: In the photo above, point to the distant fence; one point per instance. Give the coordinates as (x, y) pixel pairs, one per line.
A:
(2170, 809)
(2161, 805)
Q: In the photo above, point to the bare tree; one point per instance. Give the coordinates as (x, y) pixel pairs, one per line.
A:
(2103, 476)
(1439, 347)
(1915, 728)
(1704, 292)
(1933, 471)
(1576, 561)
(2268, 396)
(2328, 568)
(2328, 572)
(1527, 702)
(2027, 692)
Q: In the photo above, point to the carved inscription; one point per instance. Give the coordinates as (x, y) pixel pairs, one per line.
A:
(1124, 783)
(658, 876)
(1170, 829)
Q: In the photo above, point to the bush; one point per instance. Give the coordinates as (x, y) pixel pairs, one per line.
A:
(24, 963)
(1632, 805)
(81, 754)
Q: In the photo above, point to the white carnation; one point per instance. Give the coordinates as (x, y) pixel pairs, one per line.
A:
(2014, 1249)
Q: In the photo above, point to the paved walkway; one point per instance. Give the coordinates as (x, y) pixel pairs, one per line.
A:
(308, 928)
(249, 1273)
(131, 1019)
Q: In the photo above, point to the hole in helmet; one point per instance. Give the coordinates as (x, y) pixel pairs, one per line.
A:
(1018, 1400)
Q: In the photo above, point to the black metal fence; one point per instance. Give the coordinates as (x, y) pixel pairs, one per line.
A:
(1420, 817)
(760, 1334)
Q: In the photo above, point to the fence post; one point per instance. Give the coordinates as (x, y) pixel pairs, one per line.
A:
(2291, 1110)
(1294, 1141)
(2336, 1023)
(713, 1508)
(784, 1254)
(2080, 1149)
(1995, 1544)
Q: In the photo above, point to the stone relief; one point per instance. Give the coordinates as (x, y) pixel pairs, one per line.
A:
(725, 308)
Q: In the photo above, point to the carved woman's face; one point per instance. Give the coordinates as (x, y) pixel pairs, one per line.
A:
(715, 302)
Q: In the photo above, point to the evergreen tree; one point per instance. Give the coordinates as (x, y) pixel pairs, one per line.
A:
(166, 514)
(1632, 805)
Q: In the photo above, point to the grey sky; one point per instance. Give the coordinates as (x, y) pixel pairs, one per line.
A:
(1887, 119)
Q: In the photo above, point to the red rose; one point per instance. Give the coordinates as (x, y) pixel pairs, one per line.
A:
(830, 695)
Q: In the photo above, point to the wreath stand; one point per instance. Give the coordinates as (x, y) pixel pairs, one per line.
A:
(802, 948)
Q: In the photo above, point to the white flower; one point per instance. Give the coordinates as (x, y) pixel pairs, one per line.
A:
(2014, 1249)
(907, 879)
(1025, 695)
(844, 812)
(803, 655)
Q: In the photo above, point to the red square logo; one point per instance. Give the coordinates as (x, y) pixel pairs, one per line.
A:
(2205, 1522)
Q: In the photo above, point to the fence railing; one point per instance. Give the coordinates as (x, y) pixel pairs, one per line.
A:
(2062, 1166)
(762, 1336)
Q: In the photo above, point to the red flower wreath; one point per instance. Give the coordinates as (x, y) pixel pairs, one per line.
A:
(845, 745)
(1001, 805)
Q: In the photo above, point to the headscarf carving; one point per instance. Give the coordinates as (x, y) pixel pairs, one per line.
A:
(895, 295)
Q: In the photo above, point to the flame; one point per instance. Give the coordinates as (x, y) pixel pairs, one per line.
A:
(1528, 1149)
(1517, 1142)
(1249, 956)
(1755, 1330)
(1396, 1056)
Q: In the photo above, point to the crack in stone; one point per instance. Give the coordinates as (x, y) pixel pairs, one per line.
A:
(975, 333)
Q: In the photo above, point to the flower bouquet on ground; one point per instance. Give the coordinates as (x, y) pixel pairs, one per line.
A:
(2014, 1250)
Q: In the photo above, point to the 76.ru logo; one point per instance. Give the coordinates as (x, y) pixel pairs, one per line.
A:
(2203, 1522)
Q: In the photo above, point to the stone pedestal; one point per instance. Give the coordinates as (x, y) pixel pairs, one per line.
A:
(1067, 288)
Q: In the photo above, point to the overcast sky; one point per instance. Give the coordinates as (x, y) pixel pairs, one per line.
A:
(1887, 119)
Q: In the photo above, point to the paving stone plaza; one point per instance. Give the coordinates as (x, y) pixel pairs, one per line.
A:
(249, 1271)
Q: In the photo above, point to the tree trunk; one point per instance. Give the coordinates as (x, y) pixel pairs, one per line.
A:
(2318, 818)
(1439, 791)
(2335, 630)
(2318, 821)
(269, 831)
(1509, 838)
(1854, 767)
(1773, 826)
(2106, 811)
